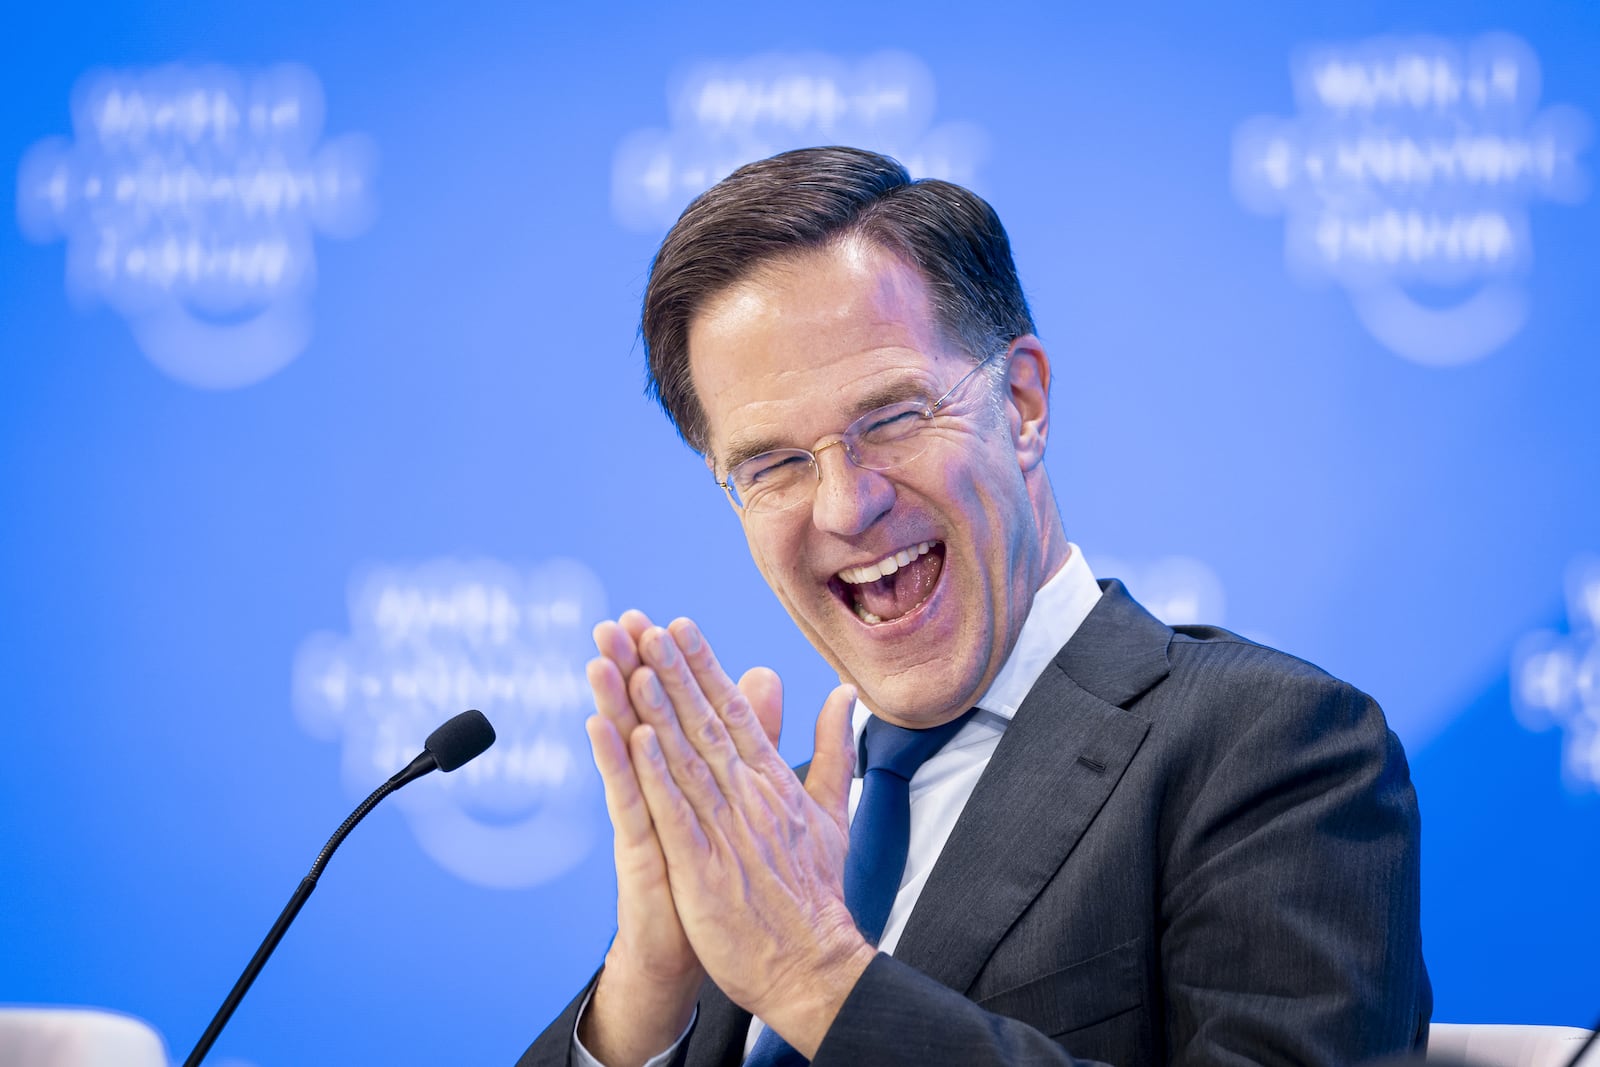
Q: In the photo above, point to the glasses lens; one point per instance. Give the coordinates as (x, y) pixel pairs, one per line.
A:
(889, 436)
(772, 481)
(880, 440)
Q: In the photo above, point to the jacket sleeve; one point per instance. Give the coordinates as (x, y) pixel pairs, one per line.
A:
(1290, 902)
(554, 1047)
(898, 1017)
(558, 1045)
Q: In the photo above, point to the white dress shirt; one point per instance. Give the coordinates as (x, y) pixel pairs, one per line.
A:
(941, 787)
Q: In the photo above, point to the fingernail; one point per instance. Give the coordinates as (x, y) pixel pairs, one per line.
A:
(653, 693)
(652, 747)
(689, 634)
(666, 648)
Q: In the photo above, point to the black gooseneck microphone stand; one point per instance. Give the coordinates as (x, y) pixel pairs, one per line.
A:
(457, 741)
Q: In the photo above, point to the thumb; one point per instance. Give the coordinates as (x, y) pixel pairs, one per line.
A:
(834, 762)
(763, 688)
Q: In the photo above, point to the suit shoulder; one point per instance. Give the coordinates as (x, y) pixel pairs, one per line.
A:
(1258, 680)
(1243, 722)
(1213, 648)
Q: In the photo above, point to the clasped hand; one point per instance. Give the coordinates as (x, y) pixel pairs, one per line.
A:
(725, 860)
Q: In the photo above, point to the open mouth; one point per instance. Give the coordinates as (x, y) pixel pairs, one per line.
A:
(894, 586)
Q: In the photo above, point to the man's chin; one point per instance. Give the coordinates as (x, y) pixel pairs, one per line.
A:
(911, 702)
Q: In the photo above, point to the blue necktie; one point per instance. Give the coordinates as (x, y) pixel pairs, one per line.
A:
(880, 836)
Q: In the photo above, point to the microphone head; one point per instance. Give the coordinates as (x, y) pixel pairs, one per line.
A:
(460, 740)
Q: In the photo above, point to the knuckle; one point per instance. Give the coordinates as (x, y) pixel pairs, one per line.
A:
(695, 774)
(772, 767)
(794, 823)
(679, 820)
(737, 710)
(709, 731)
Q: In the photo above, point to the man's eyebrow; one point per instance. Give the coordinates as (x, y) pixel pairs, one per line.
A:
(910, 387)
(749, 449)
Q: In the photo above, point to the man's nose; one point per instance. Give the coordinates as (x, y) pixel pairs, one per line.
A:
(850, 498)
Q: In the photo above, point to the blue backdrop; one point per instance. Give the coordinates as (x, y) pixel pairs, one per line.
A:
(322, 419)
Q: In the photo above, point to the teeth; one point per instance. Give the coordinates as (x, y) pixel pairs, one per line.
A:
(868, 617)
(871, 572)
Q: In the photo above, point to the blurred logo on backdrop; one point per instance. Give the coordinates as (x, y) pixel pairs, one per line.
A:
(428, 641)
(1406, 178)
(725, 114)
(1555, 678)
(188, 196)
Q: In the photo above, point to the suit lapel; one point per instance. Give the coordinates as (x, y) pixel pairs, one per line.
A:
(1059, 759)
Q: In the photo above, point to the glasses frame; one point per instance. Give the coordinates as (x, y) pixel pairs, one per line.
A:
(847, 440)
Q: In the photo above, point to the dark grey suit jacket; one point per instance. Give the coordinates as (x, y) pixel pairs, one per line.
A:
(1186, 849)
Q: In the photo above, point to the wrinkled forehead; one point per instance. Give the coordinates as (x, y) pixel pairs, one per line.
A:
(803, 342)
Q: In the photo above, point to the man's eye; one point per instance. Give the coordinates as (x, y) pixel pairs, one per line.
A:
(774, 469)
(892, 423)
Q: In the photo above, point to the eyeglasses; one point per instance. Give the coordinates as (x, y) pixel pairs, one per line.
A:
(880, 440)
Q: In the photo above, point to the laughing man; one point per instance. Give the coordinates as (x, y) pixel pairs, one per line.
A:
(1119, 841)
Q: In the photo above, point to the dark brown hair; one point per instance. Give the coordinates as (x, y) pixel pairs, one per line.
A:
(808, 199)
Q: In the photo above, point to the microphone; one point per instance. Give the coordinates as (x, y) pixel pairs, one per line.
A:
(458, 741)
(461, 740)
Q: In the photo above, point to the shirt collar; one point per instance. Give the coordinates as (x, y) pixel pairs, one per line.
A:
(1059, 607)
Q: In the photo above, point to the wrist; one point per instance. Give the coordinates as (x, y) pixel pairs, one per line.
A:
(633, 1015)
(632, 966)
(804, 1007)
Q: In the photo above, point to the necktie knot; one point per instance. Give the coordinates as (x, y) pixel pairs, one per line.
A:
(900, 751)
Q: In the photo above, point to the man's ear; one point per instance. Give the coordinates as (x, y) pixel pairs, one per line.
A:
(1028, 399)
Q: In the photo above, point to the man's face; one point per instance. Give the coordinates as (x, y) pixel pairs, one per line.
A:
(790, 357)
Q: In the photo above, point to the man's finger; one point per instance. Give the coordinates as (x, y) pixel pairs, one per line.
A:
(630, 818)
(696, 779)
(834, 761)
(730, 702)
(708, 673)
(611, 694)
(676, 824)
(634, 623)
(763, 688)
(617, 644)
(752, 717)
(698, 716)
